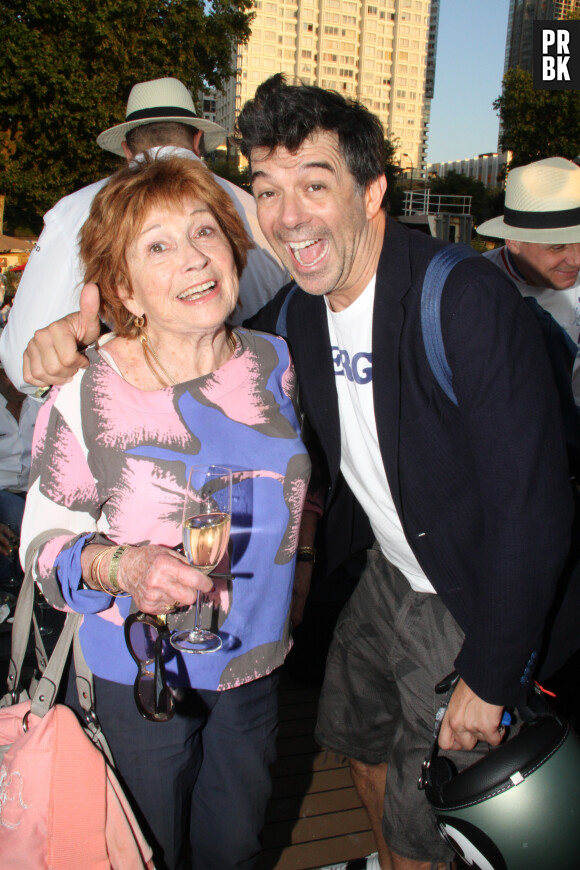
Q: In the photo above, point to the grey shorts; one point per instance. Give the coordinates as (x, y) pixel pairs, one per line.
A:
(391, 647)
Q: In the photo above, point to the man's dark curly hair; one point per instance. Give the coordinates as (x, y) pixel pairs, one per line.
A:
(283, 114)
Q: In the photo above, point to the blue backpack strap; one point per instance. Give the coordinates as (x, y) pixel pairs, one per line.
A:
(435, 276)
(283, 313)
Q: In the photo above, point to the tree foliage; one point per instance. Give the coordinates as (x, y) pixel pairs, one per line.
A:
(394, 195)
(537, 123)
(69, 65)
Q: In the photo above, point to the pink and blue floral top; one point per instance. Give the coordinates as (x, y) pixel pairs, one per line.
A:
(110, 462)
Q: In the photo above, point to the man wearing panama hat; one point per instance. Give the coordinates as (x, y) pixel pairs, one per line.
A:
(160, 118)
(541, 229)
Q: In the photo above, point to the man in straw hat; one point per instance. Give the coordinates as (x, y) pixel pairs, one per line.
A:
(541, 229)
(160, 119)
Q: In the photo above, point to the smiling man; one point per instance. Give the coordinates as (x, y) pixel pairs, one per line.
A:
(541, 229)
(468, 507)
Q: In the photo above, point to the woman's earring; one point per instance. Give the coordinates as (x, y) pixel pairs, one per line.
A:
(139, 321)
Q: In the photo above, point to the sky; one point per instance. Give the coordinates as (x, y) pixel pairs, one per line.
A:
(468, 74)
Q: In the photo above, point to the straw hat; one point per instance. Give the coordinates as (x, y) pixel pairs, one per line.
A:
(160, 100)
(542, 204)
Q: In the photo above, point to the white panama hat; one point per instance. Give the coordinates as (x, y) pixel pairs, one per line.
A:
(542, 204)
(160, 100)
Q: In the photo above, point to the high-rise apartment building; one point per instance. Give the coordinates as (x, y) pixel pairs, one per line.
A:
(522, 14)
(381, 52)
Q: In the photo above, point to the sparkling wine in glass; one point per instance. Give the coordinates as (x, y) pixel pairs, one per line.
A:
(207, 512)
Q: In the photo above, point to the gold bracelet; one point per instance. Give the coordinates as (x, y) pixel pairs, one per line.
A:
(95, 575)
(114, 569)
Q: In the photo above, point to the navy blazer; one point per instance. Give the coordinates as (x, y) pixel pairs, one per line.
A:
(481, 489)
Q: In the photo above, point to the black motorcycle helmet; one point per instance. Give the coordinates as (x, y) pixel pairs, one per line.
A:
(518, 808)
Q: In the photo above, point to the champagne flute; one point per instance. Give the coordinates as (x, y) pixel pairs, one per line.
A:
(207, 511)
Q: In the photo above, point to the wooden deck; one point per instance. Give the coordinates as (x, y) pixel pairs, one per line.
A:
(314, 816)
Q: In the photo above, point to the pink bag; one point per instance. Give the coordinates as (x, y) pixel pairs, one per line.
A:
(61, 805)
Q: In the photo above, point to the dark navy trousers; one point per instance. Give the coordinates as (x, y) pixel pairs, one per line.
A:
(200, 783)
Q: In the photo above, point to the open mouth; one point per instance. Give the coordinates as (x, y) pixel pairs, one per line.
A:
(309, 252)
(198, 293)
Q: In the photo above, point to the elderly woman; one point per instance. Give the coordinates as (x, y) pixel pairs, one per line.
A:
(171, 387)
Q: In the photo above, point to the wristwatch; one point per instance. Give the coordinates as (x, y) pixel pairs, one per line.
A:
(306, 554)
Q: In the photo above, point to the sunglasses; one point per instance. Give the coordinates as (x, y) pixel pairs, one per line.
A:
(145, 635)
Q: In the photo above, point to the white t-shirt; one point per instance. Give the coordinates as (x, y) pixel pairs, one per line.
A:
(563, 305)
(361, 463)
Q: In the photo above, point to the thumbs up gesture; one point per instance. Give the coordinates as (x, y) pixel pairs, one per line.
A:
(54, 355)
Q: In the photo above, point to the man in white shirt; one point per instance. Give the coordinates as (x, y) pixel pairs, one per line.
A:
(160, 119)
(541, 229)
